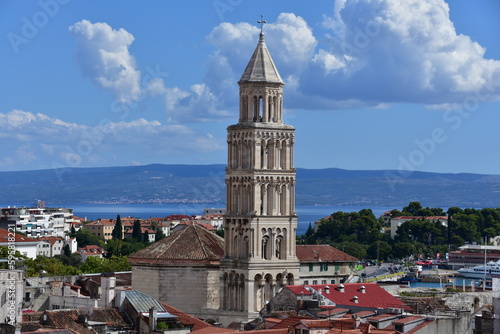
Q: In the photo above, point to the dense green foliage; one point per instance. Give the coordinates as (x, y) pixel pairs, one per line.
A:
(361, 235)
(85, 238)
(137, 232)
(72, 265)
(159, 234)
(118, 229)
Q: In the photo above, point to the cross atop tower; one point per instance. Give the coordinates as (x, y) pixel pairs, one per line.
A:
(261, 23)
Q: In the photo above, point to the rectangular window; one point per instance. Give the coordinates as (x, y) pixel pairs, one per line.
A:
(332, 281)
(323, 266)
(315, 282)
(337, 267)
(323, 281)
(306, 282)
(311, 266)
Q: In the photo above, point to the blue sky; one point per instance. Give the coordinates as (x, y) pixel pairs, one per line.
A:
(381, 84)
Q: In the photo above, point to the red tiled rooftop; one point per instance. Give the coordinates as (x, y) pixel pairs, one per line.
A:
(422, 217)
(382, 317)
(190, 244)
(187, 319)
(408, 319)
(51, 240)
(5, 235)
(299, 290)
(373, 297)
(322, 253)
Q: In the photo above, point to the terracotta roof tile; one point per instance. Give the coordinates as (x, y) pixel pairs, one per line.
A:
(192, 243)
(51, 240)
(322, 253)
(187, 319)
(373, 297)
(4, 237)
(69, 319)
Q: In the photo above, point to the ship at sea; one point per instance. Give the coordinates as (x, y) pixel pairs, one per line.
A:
(488, 270)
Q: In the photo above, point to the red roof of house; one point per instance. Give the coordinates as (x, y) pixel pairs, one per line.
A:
(192, 244)
(335, 310)
(51, 240)
(290, 321)
(299, 290)
(100, 222)
(187, 319)
(365, 313)
(316, 323)
(373, 297)
(322, 253)
(92, 250)
(177, 217)
(383, 317)
(143, 230)
(213, 330)
(422, 217)
(408, 319)
(5, 235)
(207, 226)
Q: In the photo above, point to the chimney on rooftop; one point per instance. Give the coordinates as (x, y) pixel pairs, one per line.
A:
(357, 321)
(340, 287)
(152, 319)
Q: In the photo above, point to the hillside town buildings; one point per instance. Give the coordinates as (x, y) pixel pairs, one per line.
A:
(255, 278)
(38, 221)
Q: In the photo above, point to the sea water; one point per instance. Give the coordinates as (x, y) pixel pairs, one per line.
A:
(307, 213)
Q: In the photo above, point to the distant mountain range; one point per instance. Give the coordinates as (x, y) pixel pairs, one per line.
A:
(205, 184)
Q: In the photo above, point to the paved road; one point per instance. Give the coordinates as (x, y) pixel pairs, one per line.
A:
(373, 271)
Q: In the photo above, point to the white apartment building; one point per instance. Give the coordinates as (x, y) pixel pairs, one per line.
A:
(38, 221)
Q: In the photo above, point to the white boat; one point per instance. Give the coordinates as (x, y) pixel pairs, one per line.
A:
(490, 269)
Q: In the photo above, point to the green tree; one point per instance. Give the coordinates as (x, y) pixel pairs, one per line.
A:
(96, 264)
(118, 229)
(73, 260)
(412, 209)
(52, 266)
(403, 249)
(67, 250)
(115, 247)
(72, 232)
(352, 248)
(380, 250)
(85, 238)
(159, 235)
(137, 231)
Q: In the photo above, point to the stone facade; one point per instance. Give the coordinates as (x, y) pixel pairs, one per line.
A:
(260, 222)
(188, 288)
(182, 270)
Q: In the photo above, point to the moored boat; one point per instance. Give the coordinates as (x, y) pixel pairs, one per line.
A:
(488, 270)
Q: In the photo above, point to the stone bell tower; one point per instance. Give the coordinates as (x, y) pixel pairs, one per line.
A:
(260, 222)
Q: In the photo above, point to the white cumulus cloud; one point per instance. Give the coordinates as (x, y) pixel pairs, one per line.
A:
(397, 51)
(103, 55)
(35, 141)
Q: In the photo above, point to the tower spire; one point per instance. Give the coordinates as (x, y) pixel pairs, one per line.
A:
(262, 22)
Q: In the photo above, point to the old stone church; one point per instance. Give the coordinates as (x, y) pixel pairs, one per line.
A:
(232, 279)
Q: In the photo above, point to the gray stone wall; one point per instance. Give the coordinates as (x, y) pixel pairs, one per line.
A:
(189, 289)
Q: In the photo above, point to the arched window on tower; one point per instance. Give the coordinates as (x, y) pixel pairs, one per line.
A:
(265, 245)
(263, 116)
(279, 239)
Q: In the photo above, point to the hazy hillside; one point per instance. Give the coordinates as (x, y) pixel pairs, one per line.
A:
(205, 183)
